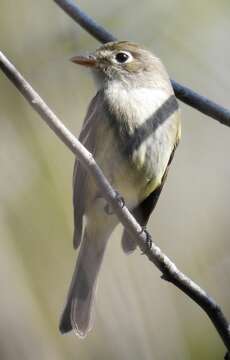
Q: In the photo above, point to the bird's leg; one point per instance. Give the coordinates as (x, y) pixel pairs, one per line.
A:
(148, 241)
(120, 200)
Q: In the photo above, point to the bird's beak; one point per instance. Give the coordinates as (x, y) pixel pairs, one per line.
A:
(89, 61)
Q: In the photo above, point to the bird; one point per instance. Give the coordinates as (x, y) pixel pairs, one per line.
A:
(132, 128)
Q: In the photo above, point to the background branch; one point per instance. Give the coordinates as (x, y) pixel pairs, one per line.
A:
(155, 255)
(188, 96)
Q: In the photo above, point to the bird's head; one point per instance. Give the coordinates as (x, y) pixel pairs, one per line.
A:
(124, 61)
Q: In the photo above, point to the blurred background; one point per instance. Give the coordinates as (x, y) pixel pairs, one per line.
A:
(138, 316)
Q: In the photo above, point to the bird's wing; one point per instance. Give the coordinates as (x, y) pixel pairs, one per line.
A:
(143, 211)
(87, 138)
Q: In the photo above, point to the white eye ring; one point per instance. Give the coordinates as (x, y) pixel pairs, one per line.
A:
(122, 57)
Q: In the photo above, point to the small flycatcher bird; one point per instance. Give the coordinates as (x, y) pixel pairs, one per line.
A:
(132, 128)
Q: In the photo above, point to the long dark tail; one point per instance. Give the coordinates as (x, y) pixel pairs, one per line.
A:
(77, 313)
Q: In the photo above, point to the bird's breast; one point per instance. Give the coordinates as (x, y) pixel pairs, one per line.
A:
(134, 105)
(139, 136)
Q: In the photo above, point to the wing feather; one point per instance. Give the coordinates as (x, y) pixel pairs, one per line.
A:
(87, 138)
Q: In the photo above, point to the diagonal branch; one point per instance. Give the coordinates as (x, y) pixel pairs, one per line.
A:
(155, 255)
(188, 96)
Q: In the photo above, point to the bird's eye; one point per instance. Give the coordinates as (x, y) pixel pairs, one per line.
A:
(123, 57)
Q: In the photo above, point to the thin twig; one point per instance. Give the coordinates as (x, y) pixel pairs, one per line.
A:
(188, 96)
(155, 255)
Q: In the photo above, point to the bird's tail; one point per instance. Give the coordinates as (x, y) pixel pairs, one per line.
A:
(77, 314)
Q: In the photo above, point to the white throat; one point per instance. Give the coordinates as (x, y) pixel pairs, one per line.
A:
(136, 104)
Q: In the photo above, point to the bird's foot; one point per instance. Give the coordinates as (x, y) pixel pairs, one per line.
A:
(148, 241)
(108, 209)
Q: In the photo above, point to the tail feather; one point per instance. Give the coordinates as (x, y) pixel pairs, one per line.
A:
(78, 312)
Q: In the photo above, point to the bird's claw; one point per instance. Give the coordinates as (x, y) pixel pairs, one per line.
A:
(148, 241)
(120, 200)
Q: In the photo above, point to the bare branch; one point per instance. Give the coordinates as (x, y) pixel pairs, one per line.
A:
(188, 96)
(155, 255)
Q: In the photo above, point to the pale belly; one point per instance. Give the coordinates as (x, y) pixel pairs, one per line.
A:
(136, 176)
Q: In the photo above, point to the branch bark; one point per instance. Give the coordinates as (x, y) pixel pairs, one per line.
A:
(169, 270)
(183, 93)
